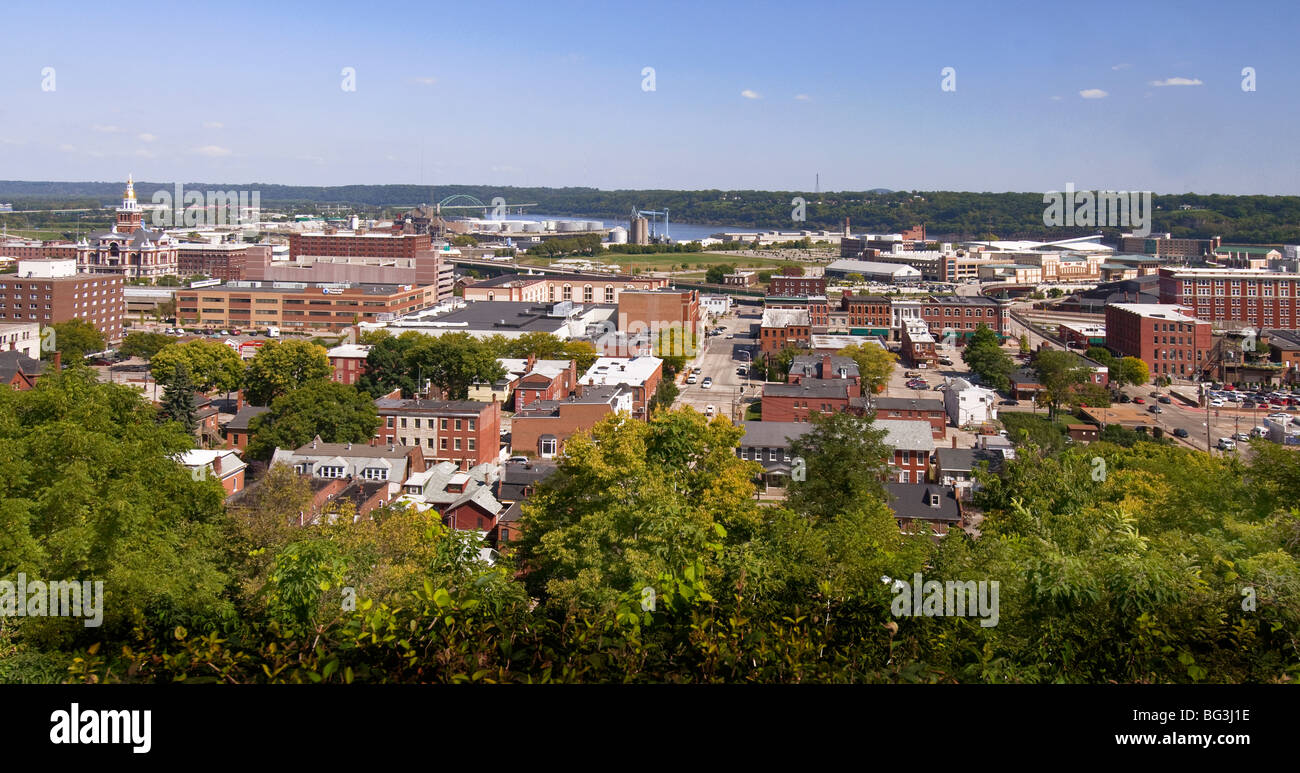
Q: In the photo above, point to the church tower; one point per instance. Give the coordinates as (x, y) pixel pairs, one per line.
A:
(129, 216)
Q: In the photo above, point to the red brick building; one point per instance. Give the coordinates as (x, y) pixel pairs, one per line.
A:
(963, 314)
(541, 429)
(870, 312)
(219, 261)
(545, 381)
(49, 291)
(1262, 299)
(375, 244)
(348, 362)
(465, 432)
(1170, 341)
(658, 312)
(913, 409)
(797, 285)
(796, 402)
(816, 305)
(784, 327)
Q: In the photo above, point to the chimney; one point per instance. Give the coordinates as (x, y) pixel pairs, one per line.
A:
(532, 359)
(58, 361)
(216, 466)
(826, 366)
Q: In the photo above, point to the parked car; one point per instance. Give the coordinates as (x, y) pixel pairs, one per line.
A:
(1180, 432)
(1010, 402)
(1241, 436)
(742, 371)
(1216, 403)
(1227, 444)
(708, 411)
(1166, 400)
(1140, 400)
(1155, 409)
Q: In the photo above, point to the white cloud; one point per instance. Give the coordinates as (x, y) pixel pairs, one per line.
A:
(106, 129)
(803, 97)
(1123, 66)
(426, 80)
(751, 94)
(66, 148)
(212, 151)
(1093, 94)
(213, 125)
(1056, 99)
(1178, 82)
(146, 137)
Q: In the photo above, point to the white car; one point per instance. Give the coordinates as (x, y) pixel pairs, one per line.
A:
(708, 411)
(691, 379)
(1282, 416)
(1227, 444)
(1216, 403)
(707, 383)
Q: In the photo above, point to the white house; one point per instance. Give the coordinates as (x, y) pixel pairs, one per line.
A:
(968, 404)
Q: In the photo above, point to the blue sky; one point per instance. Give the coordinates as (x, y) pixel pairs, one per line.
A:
(747, 94)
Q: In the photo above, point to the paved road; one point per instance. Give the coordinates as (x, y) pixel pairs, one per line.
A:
(718, 359)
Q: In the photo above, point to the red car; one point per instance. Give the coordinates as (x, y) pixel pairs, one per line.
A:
(1139, 400)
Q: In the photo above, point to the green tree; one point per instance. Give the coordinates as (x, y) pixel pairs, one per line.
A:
(1024, 344)
(633, 501)
(178, 399)
(74, 339)
(1060, 373)
(388, 365)
(1130, 370)
(143, 345)
(986, 358)
(282, 366)
(875, 364)
(337, 413)
(844, 459)
(715, 273)
(208, 365)
(454, 361)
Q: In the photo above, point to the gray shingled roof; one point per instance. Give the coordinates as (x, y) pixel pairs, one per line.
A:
(912, 500)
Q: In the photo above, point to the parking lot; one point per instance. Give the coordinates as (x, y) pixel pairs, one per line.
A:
(718, 359)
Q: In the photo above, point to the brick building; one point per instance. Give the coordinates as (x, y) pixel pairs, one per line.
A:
(297, 305)
(963, 314)
(912, 444)
(128, 249)
(659, 312)
(783, 327)
(1171, 342)
(348, 362)
(926, 409)
(796, 402)
(1256, 298)
(869, 314)
(553, 288)
(357, 244)
(219, 261)
(541, 429)
(465, 432)
(817, 306)
(50, 291)
(797, 285)
(639, 376)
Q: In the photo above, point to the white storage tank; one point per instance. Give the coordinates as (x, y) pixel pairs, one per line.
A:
(618, 235)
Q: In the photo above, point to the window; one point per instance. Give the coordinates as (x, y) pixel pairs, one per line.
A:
(329, 472)
(442, 443)
(375, 473)
(548, 448)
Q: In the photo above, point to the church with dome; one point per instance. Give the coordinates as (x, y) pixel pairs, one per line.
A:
(129, 249)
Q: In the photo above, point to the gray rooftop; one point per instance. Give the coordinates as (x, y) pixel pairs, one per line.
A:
(772, 434)
(912, 500)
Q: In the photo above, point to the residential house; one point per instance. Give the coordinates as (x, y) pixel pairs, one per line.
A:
(912, 445)
(223, 465)
(967, 404)
(918, 504)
